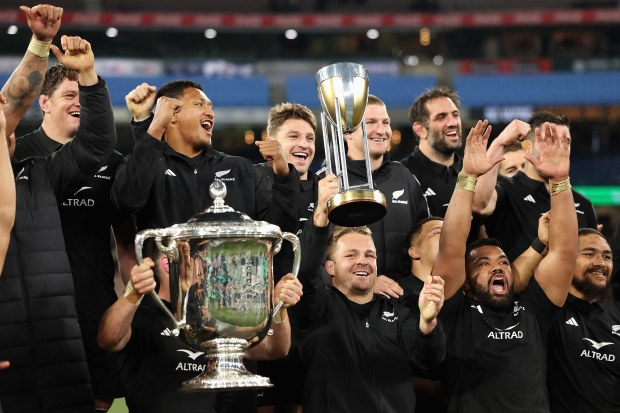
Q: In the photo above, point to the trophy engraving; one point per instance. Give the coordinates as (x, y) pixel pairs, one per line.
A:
(221, 286)
(343, 93)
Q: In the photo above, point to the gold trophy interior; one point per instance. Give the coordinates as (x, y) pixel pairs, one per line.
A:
(343, 92)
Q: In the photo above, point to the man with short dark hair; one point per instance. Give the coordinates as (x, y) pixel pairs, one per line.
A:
(512, 206)
(87, 216)
(166, 179)
(39, 329)
(497, 341)
(360, 349)
(584, 341)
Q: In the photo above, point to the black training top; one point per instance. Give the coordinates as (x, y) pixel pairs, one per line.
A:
(411, 286)
(86, 216)
(584, 357)
(155, 363)
(437, 180)
(357, 358)
(496, 361)
(520, 202)
(163, 187)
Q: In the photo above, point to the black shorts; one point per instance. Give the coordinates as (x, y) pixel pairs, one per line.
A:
(101, 364)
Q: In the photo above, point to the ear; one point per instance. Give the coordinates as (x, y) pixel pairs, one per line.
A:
(466, 286)
(414, 253)
(44, 103)
(165, 264)
(419, 130)
(329, 266)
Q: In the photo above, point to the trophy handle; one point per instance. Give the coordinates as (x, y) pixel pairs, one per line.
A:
(139, 244)
(293, 239)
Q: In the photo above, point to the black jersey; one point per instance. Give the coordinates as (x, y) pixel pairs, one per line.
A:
(496, 361)
(155, 363)
(437, 180)
(412, 286)
(520, 202)
(615, 250)
(87, 215)
(584, 357)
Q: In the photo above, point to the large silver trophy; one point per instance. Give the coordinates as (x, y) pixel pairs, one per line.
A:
(220, 288)
(343, 92)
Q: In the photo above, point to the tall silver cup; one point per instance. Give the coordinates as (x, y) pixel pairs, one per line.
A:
(343, 92)
(221, 286)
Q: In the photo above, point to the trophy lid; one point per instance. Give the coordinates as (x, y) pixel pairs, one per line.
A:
(221, 220)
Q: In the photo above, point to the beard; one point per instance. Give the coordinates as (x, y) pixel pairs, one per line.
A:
(439, 144)
(497, 303)
(591, 291)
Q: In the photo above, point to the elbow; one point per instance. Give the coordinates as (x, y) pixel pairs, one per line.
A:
(109, 342)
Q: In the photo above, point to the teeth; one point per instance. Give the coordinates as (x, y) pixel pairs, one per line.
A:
(360, 273)
(301, 154)
(377, 140)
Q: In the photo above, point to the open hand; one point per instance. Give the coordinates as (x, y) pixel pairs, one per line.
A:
(475, 161)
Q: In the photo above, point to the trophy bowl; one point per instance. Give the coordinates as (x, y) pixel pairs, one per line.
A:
(221, 285)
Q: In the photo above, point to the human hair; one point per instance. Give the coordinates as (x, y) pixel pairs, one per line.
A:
(481, 242)
(175, 88)
(338, 233)
(539, 118)
(513, 147)
(418, 112)
(373, 100)
(284, 111)
(417, 230)
(589, 231)
(54, 76)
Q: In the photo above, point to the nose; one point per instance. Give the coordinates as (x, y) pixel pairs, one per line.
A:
(453, 120)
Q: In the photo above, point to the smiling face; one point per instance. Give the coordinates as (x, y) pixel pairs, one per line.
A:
(191, 129)
(61, 110)
(297, 139)
(489, 277)
(378, 131)
(592, 268)
(443, 134)
(353, 266)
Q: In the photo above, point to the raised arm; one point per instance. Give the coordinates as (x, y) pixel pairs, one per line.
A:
(115, 326)
(136, 174)
(24, 85)
(277, 345)
(555, 271)
(450, 261)
(7, 190)
(485, 197)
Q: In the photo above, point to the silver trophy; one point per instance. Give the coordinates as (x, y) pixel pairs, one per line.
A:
(221, 287)
(343, 92)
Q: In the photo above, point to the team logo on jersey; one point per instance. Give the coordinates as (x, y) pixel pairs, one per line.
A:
(389, 316)
(80, 202)
(398, 194)
(530, 198)
(572, 322)
(429, 192)
(98, 174)
(311, 207)
(608, 357)
(221, 174)
(189, 366)
(615, 329)
(517, 308)
(577, 206)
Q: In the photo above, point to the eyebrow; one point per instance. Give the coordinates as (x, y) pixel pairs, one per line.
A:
(503, 256)
(596, 250)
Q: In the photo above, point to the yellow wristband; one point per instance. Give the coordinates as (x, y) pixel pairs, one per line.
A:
(39, 48)
(132, 295)
(280, 317)
(557, 187)
(466, 182)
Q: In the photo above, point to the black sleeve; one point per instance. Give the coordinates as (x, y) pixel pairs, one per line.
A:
(425, 351)
(277, 199)
(590, 214)
(136, 175)
(308, 311)
(544, 309)
(93, 143)
(502, 207)
(451, 309)
(420, 206)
